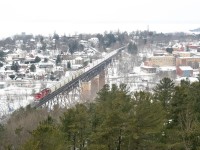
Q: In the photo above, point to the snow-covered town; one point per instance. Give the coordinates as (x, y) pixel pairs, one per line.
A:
(99, 75)
(30, 64)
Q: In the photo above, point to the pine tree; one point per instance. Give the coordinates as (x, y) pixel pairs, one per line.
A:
(146, 122)
(185, 116)
(74, 125)
(32, 68)
(58, 60)
(47, 136)
(164, 92)
(37, 59)
(132, 48)
(110, 119)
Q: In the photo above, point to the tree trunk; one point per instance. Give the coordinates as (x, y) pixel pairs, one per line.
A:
(119, 140)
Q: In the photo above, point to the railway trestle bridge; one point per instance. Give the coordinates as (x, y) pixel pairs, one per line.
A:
(83, 87)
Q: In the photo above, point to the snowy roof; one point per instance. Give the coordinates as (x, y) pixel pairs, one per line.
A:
(167, 68)
(5, 51)
(185, 68)
(185, 57)
(161, 56)
(147, 67)
(45, 63)
(181, 52)
(78, 53)
(78, 58)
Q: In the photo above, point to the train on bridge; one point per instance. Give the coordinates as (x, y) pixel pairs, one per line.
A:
(46, 91)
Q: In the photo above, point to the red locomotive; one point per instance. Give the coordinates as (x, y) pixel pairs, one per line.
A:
(42, 94)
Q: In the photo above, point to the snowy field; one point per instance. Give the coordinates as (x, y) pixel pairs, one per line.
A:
(19, 93)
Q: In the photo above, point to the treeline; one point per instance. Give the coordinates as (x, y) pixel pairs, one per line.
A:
(167, 119)
(106, 40)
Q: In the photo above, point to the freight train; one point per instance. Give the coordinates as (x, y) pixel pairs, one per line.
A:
(57, 85)
(46, 91)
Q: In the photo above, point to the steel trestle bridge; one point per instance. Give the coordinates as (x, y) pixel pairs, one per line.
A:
(62, 96)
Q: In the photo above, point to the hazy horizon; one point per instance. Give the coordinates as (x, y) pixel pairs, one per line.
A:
(81, 28)
(69, 17)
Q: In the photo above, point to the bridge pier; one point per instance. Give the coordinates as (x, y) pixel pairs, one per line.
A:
(85, 91)
(94, 86)
(89, 89)
(102, 79)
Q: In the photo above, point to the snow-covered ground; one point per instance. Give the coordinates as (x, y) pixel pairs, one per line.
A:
(13, 97)
(18, 93)
(134, 78)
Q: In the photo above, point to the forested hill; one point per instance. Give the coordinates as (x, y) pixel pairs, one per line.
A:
(195, 30)
(117, 120)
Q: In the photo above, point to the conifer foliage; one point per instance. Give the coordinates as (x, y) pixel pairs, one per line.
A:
(167, 118)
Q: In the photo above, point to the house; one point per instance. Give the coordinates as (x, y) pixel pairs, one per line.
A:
(181, 54)
(79, 60)
(178, 47)
(94, 41)
(159, 53)
(148, 69)
(169, 72)
(184, 71)
(188, 61)
(45, 65)
(29, 60)
(161, 61)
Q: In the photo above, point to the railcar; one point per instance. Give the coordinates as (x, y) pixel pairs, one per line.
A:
(38, 96)
(42, 94)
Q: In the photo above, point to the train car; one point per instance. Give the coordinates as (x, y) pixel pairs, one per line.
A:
(45, 92)
(42, 94)
(38, 96)
(65, 81)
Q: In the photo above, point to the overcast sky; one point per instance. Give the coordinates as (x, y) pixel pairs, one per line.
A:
(83, 16)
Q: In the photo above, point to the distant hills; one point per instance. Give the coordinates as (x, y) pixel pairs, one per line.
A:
(195, 30)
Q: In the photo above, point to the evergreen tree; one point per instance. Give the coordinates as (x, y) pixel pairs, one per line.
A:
(73, 46)
(45, 59)
(109, 39)
(15, 66)
(2, 130)
(146, 123)
(58, 59)
(32, 68)
(132, 48)
(164, 91)
(47, 136)
(169, 50)
(68, 65)
(74, 124)
(185, 116)
(2, 55)
(110, 120)
(37, 59)
(1, 64)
